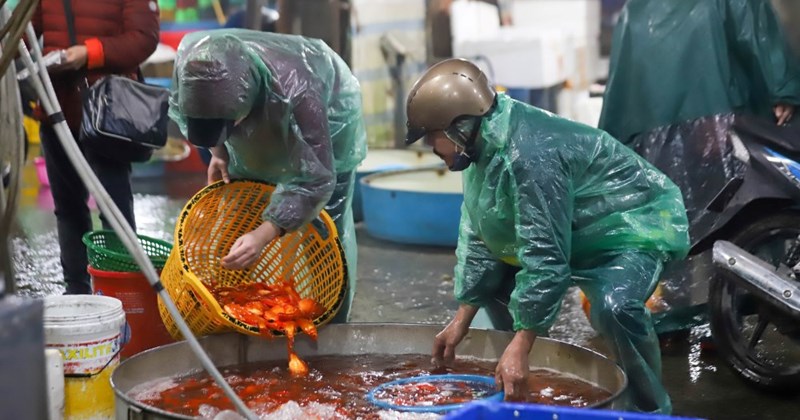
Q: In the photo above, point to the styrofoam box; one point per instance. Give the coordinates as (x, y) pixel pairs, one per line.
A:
(579, 16)
(473, 19)
(532, 59)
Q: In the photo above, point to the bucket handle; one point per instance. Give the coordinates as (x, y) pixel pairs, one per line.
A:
(125, 341)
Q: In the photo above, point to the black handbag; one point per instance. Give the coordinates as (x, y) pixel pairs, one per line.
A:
(123, 119)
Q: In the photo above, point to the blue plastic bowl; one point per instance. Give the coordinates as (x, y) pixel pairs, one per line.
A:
(414, 207)
(498, 396)
(382, 160)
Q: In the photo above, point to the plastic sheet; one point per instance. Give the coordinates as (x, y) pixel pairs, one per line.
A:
(299, 108)
(566, 202)
(700, 157)
(550, 195)
(674, 61)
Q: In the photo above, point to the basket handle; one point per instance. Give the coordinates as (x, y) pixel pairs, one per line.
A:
(324, 224)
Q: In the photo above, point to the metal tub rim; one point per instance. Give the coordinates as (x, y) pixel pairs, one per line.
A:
(306, 348)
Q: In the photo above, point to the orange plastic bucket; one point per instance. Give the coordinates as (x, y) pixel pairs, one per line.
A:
(140, 305)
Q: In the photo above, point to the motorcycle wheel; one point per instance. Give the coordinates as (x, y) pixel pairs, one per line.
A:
(758, 340)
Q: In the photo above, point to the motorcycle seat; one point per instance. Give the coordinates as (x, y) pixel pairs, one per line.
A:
(764, 131)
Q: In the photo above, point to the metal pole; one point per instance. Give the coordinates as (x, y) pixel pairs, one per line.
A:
(12, 148)
(253, 14)
(46, 93)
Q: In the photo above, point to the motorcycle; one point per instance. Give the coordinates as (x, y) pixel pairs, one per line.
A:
(752, 229)
(740, 180)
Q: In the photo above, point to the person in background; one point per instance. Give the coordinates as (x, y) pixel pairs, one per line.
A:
(112, 38)
(278, 108)
(683, 75)
(548, 203)
(675, 61)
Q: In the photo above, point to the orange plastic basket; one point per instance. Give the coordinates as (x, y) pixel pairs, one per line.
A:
(207, 228)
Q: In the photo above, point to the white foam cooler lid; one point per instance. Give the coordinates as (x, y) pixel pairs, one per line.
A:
(521, 57)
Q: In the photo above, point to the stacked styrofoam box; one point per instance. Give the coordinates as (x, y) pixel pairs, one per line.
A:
(588, 109)
(580, 20)
(473, 20)
(405, 20)
(520, 58)
(582, 16)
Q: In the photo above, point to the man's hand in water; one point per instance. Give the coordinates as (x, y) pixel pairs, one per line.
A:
(784, 113)
(513, 369)
(218, 166)
(246, 250)
(444, 345)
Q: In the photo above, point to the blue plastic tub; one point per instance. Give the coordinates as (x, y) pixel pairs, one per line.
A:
(416, 206)
(382, 160)
(165, 82)
(373, 398)
(483, 410)
(200, 25)
(546, 98)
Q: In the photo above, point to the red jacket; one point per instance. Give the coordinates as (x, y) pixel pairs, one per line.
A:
(119, 35)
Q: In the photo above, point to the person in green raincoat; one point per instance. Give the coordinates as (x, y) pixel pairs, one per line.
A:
(675, 61)
(548, 204)
(278, 108)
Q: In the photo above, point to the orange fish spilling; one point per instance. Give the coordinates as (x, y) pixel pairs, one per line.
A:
(273, 307)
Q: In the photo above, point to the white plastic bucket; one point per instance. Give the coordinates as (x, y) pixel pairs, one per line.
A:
(55, 383)
(89, 332)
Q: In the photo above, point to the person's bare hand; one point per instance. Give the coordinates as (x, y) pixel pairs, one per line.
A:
(246, 250)
(76, 58)
(218, 170)
(444, 344)
(513, 369)
(783, 113)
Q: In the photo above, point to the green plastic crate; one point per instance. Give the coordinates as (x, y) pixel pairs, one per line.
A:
(106, 252)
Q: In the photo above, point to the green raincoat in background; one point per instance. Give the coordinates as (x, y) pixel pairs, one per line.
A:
(302, 127)
(556, 203)
(674, 61)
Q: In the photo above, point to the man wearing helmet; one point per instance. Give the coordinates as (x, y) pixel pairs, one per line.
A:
(548, 203)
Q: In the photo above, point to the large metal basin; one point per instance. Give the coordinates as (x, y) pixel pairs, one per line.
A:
(350, 339)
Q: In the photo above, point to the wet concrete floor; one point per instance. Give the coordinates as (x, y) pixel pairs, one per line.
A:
(398, 284)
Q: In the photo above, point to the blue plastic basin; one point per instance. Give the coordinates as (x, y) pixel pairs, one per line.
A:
(165, 82)
(416, 206)
(372, 396)
(382, 160)
(495, 410)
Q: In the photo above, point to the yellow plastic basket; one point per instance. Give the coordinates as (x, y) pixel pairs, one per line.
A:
(207, 228)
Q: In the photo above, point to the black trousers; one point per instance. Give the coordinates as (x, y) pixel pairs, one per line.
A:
(71, 209)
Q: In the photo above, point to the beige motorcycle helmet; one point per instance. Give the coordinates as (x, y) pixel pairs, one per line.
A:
(449, 91)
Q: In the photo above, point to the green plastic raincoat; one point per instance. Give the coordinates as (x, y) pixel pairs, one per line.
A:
(559, 200)
(674, 61)
(301, 124)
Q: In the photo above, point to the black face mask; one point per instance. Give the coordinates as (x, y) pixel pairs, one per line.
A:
(464, 136)
(460, 162)
(208, 132)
